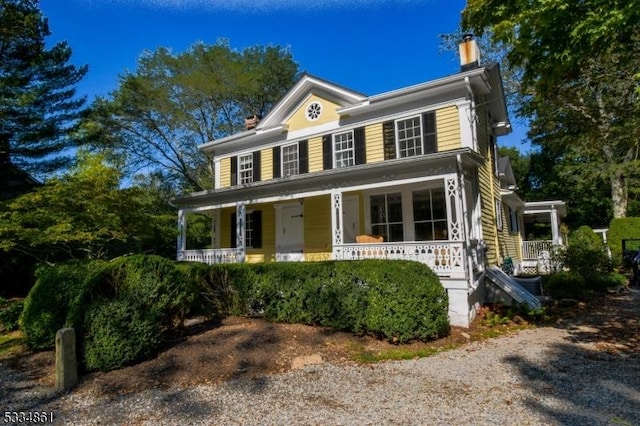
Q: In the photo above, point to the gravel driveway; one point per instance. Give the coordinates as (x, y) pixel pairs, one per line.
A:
(564, 375)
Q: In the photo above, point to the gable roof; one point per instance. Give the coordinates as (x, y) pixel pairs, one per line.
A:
(300, 92)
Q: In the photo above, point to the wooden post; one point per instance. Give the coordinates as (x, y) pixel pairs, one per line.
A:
(66, 365)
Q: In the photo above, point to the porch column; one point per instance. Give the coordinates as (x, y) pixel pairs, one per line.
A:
(555, 231)
(182, 233)
(337, 237)
(241, 210)
(454, 208)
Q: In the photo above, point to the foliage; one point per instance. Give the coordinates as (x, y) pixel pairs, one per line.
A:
(38, 106)
(10, 313)
(158, 115)
(119, 332)
(57, 300)
(397, 300)
(585, 254)
(621, 229)
(564, 285)
(86, 215)
(578, 90)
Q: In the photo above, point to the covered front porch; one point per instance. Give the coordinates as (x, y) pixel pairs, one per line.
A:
(370, 213)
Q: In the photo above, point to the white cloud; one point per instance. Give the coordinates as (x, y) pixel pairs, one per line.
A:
(250, 5)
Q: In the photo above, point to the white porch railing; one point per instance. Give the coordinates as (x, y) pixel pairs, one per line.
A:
(536, 249)
(445, 258)
(211, 256)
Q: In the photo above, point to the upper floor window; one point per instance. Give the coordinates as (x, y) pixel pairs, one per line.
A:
(290, 160)
(343, 149)
(245, 167)
(409, 137)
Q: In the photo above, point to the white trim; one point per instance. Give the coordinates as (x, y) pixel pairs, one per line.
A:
(312, 131)
(465, 123)
(308, 194)
(216, 172)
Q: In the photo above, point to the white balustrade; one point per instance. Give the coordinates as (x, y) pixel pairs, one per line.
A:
(443, 257)
(536, 249)
(211, 256)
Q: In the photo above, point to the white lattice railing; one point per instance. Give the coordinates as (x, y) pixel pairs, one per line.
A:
(211, 256)
(536, 249)
(443, 257)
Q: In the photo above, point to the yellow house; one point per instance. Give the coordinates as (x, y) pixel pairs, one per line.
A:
(331, 173)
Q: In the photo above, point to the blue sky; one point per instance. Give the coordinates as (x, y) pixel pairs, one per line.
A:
(371, 46)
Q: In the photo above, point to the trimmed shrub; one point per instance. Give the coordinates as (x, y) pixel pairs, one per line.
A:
(57, 300)
(120, 333)
(621, 229)
(406, 301)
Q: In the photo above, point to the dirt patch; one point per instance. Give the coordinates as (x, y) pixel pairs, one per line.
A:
(239, 347)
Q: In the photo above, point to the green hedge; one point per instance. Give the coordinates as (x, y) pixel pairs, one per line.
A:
(122, 309)
(620, 229)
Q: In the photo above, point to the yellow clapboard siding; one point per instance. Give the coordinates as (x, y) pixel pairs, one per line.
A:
(448, 128)
(298, 120)
(317, 224)
(318, 257)
(315, 154)
(374, 143)
(225, 172)
(266, 164)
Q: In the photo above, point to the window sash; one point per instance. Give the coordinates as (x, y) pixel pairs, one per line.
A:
(343, 149)
(409, 137)
(290, 163)
(248, 230)
(430, 215)
(386, 216)
(245, 168)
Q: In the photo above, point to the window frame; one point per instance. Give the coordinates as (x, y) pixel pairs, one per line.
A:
(297, 160)
(245, 176)
(351, 150)
(420, 141)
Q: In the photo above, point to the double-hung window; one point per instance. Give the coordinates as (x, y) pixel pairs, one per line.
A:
(290, 160)
(245, 167)
(409, 137)
(252, 229)
(343, 149)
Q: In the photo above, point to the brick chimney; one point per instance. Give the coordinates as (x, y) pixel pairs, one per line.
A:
(251, 122)
(469, 53)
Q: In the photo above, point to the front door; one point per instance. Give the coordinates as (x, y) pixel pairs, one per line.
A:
(290, 233)
(350, 219)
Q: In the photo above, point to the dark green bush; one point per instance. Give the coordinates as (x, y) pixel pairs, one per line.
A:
(620, 229)
(119, 333)
(397, 300)
(564, 285)
(58, 299)
(585, 254)
(406, 301)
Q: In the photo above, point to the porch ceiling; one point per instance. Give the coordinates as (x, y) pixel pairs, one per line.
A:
(384, 172)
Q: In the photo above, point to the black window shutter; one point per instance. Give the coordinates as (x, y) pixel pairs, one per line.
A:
(256, 166)
(303, 156)
(257, 229)
(429, 139)
(389, 140)
(276, 162)
(327, 152)
(233, 229)
(359, 145)
(234, 171)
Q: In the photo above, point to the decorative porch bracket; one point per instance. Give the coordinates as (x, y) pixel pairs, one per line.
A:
(182, 233)
(241, 211)
(336, 218)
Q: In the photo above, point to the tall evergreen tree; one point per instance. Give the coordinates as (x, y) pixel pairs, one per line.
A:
(38, 106)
